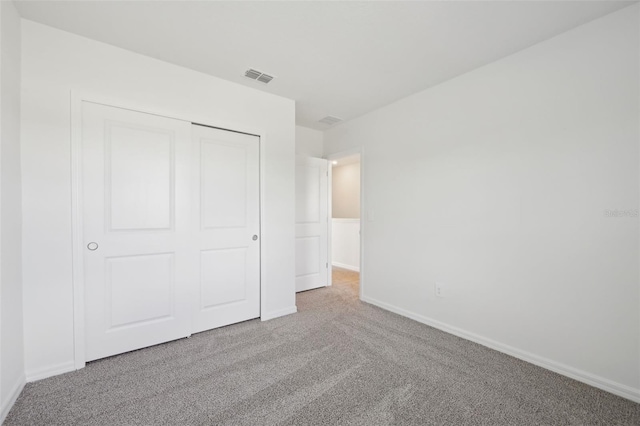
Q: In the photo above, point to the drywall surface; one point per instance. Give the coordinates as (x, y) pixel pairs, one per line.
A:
(345, 191)
(54, 64)
(345, 243)
(11, 331)
(309, 142)
(516, 187)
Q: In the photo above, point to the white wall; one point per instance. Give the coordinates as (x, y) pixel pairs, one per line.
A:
(345, 243)
(345, 191)
(497, 184)
(11, 332)
(54, 63)
(309, 142)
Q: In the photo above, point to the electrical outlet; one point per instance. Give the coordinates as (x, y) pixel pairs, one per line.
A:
(439, 289)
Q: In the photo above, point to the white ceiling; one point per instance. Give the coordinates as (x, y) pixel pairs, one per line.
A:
(333, 58)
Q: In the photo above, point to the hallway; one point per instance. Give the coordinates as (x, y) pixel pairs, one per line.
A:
(347, 278)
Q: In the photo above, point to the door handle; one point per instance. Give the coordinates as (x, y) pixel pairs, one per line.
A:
(92, 246)
(254, 238)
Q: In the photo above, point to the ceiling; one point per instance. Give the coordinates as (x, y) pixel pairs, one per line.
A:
(333, 58)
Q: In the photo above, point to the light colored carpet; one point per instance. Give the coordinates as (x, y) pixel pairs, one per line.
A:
(345, 277)
(338, 361)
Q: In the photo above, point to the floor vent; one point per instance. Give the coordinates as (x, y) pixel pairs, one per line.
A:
(258, 75)
(330, 120)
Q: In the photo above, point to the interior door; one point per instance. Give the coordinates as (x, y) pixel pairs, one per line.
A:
(227, 192)
(136, 229)
(312, 223)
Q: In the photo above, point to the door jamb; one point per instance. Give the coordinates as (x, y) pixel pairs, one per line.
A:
(329, 221)
(77, 254)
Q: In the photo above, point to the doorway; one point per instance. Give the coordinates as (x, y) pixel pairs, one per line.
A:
(346, 198)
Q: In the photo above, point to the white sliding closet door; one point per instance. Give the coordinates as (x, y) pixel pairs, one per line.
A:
(170, 218)
(139, 263)
(227, 214)
(312, 223)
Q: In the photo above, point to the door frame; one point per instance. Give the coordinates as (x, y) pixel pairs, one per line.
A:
(77, 255)
(336, 156)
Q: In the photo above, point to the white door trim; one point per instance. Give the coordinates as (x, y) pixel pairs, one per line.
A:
(336, 156)
(76, 99)
(329, 224)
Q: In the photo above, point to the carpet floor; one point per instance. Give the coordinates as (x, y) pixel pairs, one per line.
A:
(337, 362)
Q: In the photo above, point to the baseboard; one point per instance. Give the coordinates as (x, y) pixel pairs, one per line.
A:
(54, 370)
(566, 370)
(280, 313)
(345, 266)
(12, 398)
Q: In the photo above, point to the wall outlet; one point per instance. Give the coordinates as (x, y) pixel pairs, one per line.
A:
(439, 289)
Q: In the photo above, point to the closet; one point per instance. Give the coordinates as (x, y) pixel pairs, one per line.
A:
(170, 215)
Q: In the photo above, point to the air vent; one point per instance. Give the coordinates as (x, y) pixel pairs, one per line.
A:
(253, 74)
(258, 75)
(264, 78)
(330, 120)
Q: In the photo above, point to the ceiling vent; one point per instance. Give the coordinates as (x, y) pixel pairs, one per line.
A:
(258, 75)
(264, 78)
(330, 120)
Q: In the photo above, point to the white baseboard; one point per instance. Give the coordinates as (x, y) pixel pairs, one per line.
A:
(53, 370)
(566, 370)
(11, 398)
(280, 313)
(345, 266)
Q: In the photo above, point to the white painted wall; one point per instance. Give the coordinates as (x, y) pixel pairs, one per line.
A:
(497, 185)
(54, 63)
(345, 191)
(345, 243)
(11, 332)
(309, 142)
